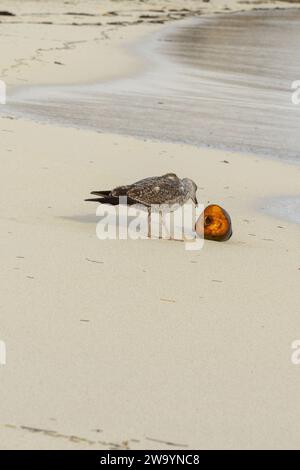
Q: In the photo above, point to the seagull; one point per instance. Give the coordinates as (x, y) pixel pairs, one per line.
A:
(162, 190)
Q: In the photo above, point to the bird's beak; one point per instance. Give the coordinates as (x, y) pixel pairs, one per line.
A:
(194, 199)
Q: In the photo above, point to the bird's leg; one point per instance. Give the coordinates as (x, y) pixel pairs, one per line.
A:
(149, 222)
(160, 222)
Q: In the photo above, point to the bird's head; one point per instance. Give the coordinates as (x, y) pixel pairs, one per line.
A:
(216, 224)
(192, 188)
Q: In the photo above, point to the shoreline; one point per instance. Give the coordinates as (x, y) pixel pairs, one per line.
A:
(110, 36)
(128, 95)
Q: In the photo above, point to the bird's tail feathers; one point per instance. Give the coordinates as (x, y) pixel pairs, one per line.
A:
(113, 201)
(101, 193)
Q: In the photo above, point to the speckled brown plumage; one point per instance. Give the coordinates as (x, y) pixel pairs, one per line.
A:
(156, 190)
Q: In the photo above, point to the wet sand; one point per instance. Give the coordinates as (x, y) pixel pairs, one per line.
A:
(222, 81)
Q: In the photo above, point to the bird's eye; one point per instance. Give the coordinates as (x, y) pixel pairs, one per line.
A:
(208, 220)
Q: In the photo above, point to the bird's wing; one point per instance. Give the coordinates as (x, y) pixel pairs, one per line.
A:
(167, 176)
(161, 190)
(120, 191)
(152, 190)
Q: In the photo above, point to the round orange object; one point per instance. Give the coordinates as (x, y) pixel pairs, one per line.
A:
(215, 222)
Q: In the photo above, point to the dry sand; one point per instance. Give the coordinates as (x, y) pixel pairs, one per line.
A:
(136, 344)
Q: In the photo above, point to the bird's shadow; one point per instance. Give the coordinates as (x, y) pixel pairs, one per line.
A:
(140, 225)
(89, 218)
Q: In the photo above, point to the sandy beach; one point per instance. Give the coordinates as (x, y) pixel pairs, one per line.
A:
(123, 344)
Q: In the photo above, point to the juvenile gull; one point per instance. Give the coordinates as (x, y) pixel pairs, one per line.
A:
(162, 190)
